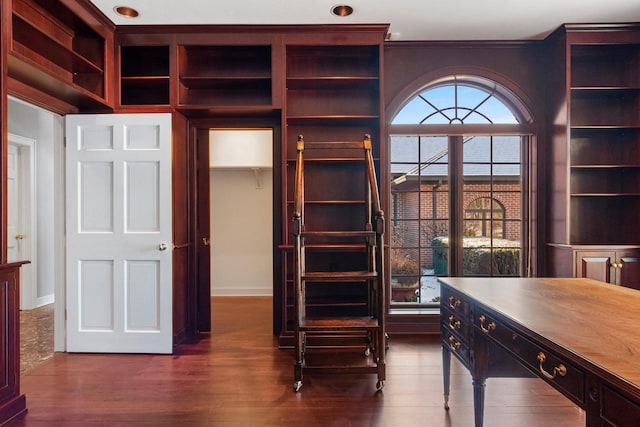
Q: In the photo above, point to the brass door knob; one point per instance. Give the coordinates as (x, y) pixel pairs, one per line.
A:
(19, 236)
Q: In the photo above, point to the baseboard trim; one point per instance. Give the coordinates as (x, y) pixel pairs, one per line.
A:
(47, 299)
(256, 292)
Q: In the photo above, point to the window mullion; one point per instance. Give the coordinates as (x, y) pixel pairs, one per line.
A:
(456, 208)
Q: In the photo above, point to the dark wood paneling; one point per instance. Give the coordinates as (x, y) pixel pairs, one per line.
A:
(183, 282)
(12, 402)
(202, 220)
(560, 261)
(5, 37)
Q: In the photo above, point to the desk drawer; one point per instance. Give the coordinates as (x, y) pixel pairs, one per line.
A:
(454, 302)
(562, 375)
(618, 410)
(456, 346)
(454, 322)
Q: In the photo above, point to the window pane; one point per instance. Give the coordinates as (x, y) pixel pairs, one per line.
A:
(498, 112)
(413, 112)
(506, 149)
(434, 150)
(477, 149)
(404, 149)
(405, 205)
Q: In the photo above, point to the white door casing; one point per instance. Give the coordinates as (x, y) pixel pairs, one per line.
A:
(21, 218)
(119, 233)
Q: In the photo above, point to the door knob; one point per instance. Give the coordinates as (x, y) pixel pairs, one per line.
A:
(19, 236)
(206, 241)
(162, 247)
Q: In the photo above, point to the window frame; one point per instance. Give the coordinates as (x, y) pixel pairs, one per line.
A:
(524, 128)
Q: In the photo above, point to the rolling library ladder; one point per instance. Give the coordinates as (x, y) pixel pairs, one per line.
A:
(346, 331)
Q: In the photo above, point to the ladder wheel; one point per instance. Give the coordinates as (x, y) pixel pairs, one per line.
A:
(379, 385)
(297, 385)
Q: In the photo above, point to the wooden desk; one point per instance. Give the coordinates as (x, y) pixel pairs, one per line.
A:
(579, 335)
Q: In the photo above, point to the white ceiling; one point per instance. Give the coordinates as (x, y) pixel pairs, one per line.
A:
(409, 19)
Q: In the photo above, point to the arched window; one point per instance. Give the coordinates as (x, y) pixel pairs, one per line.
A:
(461, 100)
(484, 218)
(457, 154)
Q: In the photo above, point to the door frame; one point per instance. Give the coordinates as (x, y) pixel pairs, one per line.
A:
(203, 269)
(27, 185)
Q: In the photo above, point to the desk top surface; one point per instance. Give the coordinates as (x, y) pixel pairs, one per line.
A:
(595, 322)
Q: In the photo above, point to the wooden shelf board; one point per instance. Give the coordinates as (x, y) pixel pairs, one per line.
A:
(330, 202)
(604, 88)
(333, 82)
(634, 194)
(345, 117)
(224, 79)
(607, 166)
(50, 50)
(34, 74)
(205, 110)
(144, 78)
(605, 127)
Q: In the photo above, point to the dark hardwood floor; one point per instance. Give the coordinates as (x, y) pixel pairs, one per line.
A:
(239, 377)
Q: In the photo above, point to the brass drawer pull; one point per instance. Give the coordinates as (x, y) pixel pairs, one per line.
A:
(453, 302)
(560, 369)
(453, 344)
(453, 323)
(487, 328)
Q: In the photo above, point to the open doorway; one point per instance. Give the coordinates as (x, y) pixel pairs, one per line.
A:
(21, 219)
(241, 206)
(36, 141)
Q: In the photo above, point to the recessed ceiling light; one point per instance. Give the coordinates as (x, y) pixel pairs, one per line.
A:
(125, 11)
(342, 10)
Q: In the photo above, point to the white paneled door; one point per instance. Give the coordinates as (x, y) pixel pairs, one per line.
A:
(119, 233)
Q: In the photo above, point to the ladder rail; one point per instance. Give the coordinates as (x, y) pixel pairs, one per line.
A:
(375, 209)
(373, 235)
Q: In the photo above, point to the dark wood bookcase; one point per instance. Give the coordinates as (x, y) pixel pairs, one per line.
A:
(597, 135)
(55, 51)
(224, 76)
(332, 95)
(145, 75)
(209, 77)
(604, 142)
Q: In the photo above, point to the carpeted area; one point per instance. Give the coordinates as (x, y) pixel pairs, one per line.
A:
(36, 337)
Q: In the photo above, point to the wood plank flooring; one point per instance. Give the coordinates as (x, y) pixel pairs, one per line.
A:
(239, 377)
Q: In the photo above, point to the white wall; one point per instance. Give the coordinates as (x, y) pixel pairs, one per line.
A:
(241, 229)
(46, 129)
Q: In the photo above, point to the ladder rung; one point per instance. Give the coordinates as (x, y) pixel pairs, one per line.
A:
(339, 323)
(329, 369)
(363, 233)
(339, 276)
(333, 145)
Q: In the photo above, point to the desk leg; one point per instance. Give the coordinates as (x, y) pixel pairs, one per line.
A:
(478, 400)
(446, 375)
